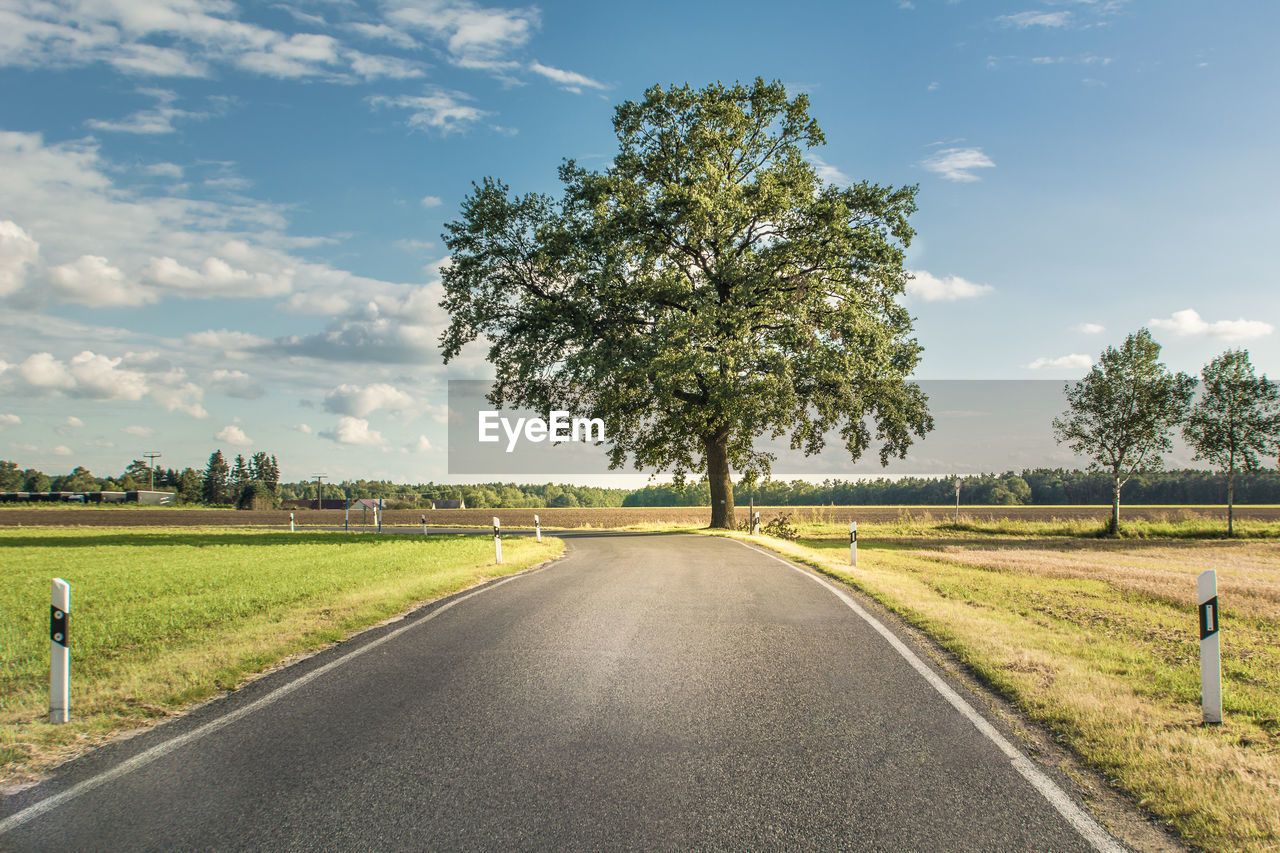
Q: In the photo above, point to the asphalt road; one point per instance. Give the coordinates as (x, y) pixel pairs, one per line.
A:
(646, 692)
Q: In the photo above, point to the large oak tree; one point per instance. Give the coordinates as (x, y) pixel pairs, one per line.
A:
(705, 289)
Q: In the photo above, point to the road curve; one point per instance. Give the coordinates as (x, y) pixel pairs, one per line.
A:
(646, 692)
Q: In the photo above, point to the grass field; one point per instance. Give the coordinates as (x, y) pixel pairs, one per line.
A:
(1098, 640)
(162, 618)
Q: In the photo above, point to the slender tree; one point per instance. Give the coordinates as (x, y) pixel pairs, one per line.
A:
(1122, 413)
(239, 478)
(1236, 418)
(707, 288)
(215, 479)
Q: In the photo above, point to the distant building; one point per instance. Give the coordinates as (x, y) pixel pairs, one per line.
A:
(139, 497)
(449, 504)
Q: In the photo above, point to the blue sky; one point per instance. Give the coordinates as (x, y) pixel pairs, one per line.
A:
(220, 222)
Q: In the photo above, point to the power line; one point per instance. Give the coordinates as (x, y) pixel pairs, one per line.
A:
(152, 469)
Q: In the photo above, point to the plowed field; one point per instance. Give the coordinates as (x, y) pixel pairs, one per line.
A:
(597, 517)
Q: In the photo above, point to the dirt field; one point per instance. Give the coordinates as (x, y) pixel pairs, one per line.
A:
(595, 517)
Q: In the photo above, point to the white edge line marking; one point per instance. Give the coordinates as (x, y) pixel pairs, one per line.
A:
(144, 758)
(1088, 828)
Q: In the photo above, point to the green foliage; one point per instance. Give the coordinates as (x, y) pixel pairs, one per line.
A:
(706, 289)
(215, 489)
(138, 471)
(1122, 413)
(1238, 415)
(11, 477)
(257, 495)
(1236, 418)
(190, 486)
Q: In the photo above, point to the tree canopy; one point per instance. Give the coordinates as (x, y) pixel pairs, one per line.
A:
(1122, 413)
(705, 289)
(1236, 418)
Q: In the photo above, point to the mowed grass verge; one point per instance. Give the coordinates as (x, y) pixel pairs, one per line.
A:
(1098, 640)
(162, 618)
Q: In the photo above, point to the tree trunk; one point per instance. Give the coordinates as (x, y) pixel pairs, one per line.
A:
(722, 516)
(1231, 500)
(1115, 506)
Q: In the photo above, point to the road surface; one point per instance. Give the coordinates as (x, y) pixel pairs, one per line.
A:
(646, 692)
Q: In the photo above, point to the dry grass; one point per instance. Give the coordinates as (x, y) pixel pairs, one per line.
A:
(1098, 640)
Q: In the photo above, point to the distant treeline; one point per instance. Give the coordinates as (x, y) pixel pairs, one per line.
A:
(1036, 487)
(220, 483)
(478, 496)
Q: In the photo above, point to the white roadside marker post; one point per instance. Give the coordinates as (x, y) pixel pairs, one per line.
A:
(755, 523)
(853, 544)
(537, 527)
(60, 657)
(291, 530)
(958, 484)
(424, 524)
(497, 540)
(1210, 650)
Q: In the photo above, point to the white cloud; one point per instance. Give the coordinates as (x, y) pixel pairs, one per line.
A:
(570, 81)
(474, 37)
(957, 164)
(439, 110)
(1023, 20)
(1075, 361)
(1090, 328)
(354, 431)
(102, 378)
(354, 400)
(164, 170)
(828, 173)
(73, 421)
(10, 420)
(430, 201)
(422, 445)
(91, 280)
(951, 288)
(77, 33)
(384, 33)
(217, 278)
(1188, 323)
(234, 436)
(42, 370)
(235, 383)
(226, 340)
(304, 429)
(62, 450)
(415, 246)
(139, 431)
(178, 395)
(17, 252)
(157, 120)
(324, 304)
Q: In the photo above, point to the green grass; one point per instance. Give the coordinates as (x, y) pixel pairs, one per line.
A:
(162, 618)
(1096, 639)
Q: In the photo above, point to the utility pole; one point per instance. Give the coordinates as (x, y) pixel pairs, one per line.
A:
(320, 478)
(153, 456)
